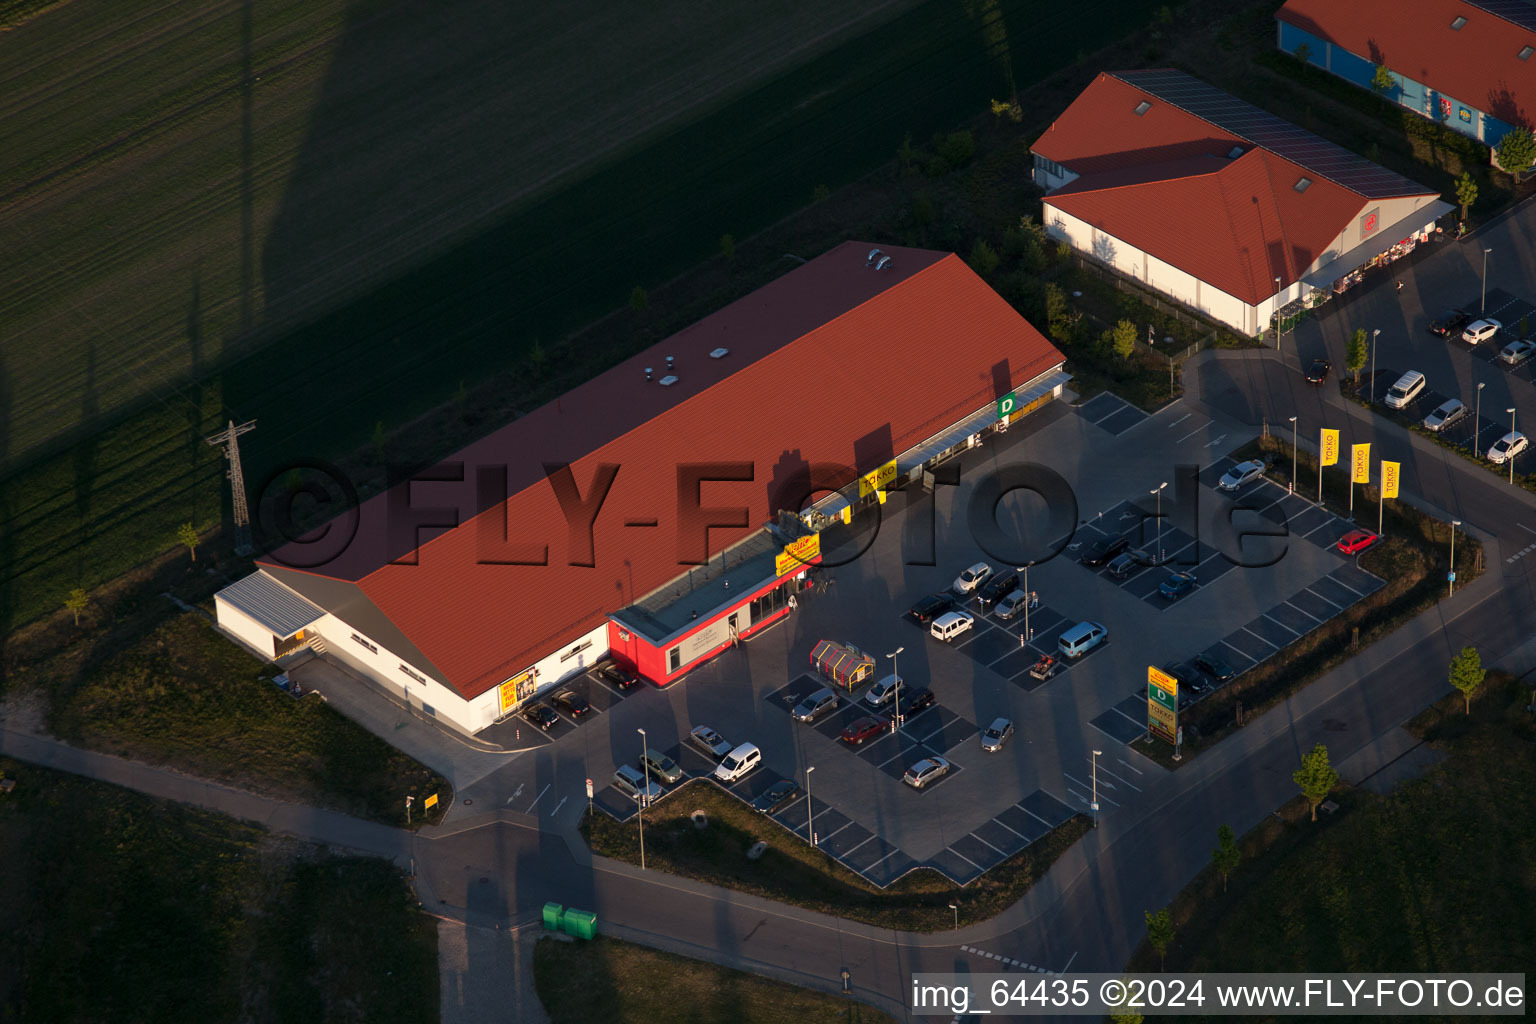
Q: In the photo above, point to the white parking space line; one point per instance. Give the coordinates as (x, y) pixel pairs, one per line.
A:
(1127, 784)
(1067, 968)
(983, 842)
(537, 799)
(1077, 796)
(1527, 529)
(999, 823)
(1181, 419)
(855, 847)
(972, 863)
(1192, 433)
(558, 806)
(1132, 767)
(1089, 788)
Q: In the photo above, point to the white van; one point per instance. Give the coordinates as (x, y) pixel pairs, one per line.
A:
(738, 763)
(1081, 639)
(1407, 388)
(950, 625)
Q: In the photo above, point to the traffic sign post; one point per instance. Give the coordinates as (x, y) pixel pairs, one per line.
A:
(589, 798)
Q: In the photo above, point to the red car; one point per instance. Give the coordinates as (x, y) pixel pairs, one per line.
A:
(865, 729)
(1356, 541)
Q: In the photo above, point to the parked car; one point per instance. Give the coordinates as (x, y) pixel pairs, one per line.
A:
(1407, 388)
(815, 705)
(925, 771)
(1177, 585)
(1188, 679)
(572, 703)
(995, 735)
(1446, 413)
(1508, 447)
(623, 678)
(1517, 352)
(739, 763)
(996, 588)
(970, 579)
(880, 694)
(1356, 541)
(1100, 551)
(1124, 564)
(1479, 331)
(629, 779)
(1450, 322)
(1214, 667)
(1081, 639)
(932, 606)
(541, 715)
(950, 625)
(1011, 605)
(1241, 474)
(779, 793)
(661, 766)
(709, 741)
(918, 700)
(866, 728)
(1318, 371)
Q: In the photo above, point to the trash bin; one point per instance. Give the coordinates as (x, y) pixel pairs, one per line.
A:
(553, 912)
(580, 923)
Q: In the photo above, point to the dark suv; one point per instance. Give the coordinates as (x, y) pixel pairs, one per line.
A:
(997, 588)
(1101, 551)
(932, 606)
(1449, 324)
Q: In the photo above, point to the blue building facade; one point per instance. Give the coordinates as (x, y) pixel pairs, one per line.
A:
(1415, 96)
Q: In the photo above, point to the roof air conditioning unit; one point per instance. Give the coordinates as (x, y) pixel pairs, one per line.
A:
(720, 353)
(668, 380)
(648, 374)
(884, 264)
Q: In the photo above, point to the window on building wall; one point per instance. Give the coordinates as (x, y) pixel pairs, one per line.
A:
(674, 659)
(1457, 22)
(568, 655)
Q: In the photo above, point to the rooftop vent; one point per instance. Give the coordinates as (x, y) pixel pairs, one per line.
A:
(869, 260)
(648, 372)
(884, 264)
(668, 380)
(1235, 152)
(720, 353)
(1457, 23)
(1142, 108)
(670, 361)
(1525, 52)
(1302, 184)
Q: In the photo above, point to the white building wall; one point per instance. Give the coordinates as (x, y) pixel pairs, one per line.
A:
(570, 660)
(384, 667)
(245, 629)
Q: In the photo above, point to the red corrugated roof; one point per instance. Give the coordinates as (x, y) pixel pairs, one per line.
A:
(1479, 64)
(904, 354)
(1234, 224)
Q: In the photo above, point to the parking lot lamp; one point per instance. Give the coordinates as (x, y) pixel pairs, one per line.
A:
(1293, 454)
(1373, 364)
(644, 795)
(1477, 427)
(810, 821)
(1451, 576)
(1096, 755)
(1158, 491)
(1483, 308)
(896, 674)
(1511, 455)
(956, 908)
(1275, 314)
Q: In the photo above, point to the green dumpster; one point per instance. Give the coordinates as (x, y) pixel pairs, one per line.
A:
(553, 912)
(580, 923)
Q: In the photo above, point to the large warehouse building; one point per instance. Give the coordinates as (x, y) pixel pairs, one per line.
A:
(638, 516)
(1214, 202)
(1466, 65)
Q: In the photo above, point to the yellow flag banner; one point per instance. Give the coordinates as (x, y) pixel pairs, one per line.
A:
(1361, 455)
(1389, 479)
(1329, 447)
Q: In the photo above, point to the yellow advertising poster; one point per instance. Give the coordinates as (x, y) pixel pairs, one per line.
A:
(1389, 472)
(431, 802)
(1162, 705)
(1360, 454)
(1329, 447)
(878, 479)
(516, 690)
(797, 555)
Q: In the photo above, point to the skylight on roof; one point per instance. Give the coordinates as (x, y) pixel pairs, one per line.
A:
(1142, 108)
(1457, 23)
(1235, 152)
(1302, 184)
(1525, 52)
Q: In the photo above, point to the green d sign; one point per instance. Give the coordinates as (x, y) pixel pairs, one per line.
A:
(1006, 405)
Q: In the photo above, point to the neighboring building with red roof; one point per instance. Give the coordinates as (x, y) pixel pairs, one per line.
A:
(1471, 66)
(1211, 200)
(645, 515)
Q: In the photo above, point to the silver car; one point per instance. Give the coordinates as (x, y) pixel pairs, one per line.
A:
(709, 741)
(1011, 605)
(816, 705)
(628, 779)
(1517, 352)
(995, 735)
(1447, 413)
(1240, 474)
(925, 771)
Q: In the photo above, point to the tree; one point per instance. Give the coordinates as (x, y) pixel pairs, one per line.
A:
(1130, 1016)
(187, 534)
(638, 300)
(819, 193)
(1123, 339)
(1316, 777)
(1466, 192)
(956, 148)
(1354, 355)
(1303, 52)
(379, 437)
(1516, 151)
(1467, 673)
(76, 602)
(1009, 109)
(1226, 856)
(1382, 82)
(728, 247)
(537, 359)
(983, 259)
(1160, 933)
(905, 155)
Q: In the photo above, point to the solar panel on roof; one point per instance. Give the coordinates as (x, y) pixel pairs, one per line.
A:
(1457, 23)
(1264, 129)
(1516, 12)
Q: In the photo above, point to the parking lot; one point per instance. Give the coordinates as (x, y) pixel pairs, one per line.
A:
(992, 804)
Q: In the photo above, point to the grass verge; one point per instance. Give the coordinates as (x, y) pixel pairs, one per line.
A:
(184, 695)
(1413, 558)
(619, 983)
(791, 871)
(123, 908)
(1436, 876)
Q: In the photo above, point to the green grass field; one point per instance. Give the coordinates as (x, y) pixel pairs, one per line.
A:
(120, 908)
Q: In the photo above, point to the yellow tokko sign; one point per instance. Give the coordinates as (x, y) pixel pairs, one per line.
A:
(1328, 448)
(798, 554)
(1389, 472)
(1360, 455)
(878, 479)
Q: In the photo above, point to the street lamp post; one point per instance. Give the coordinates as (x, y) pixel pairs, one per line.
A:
(644, 795)
(1293, 454)
(1096, 755)
(1510, 458)
(1373, 364)
(956, 908)
(1450, 577)
(896, 673)
(1275, 314)
(1483, 307)
(1158, 491)
(1477, 427)
(810, 821)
